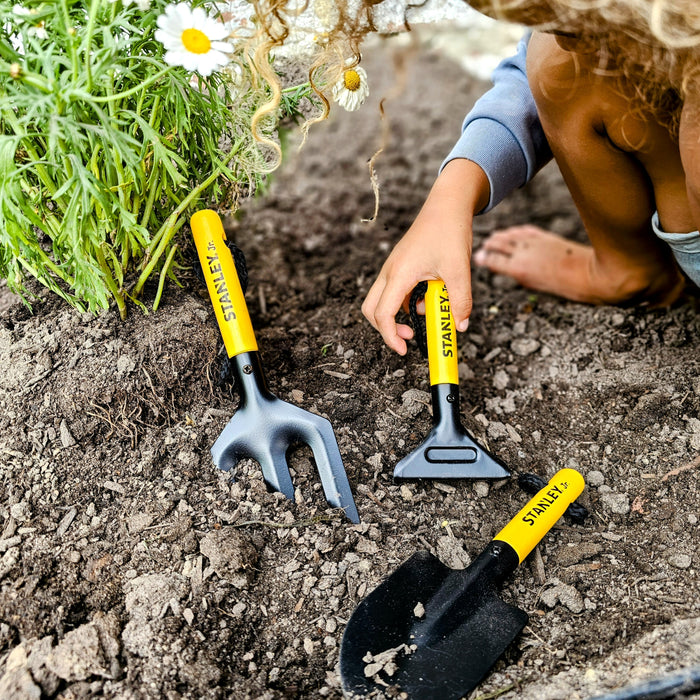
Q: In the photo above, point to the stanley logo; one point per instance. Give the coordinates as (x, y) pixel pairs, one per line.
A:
(545, 502)
(221, 290)
(446, 332)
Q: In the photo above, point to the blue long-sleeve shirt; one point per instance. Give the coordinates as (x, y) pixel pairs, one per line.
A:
(502, 133)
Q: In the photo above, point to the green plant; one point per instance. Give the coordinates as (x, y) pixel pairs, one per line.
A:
(105, 147)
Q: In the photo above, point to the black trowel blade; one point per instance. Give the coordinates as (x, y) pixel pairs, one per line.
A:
(435, 632)
(455, 646)
(430, 672)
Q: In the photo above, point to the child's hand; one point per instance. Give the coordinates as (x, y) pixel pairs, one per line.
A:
(437, 246)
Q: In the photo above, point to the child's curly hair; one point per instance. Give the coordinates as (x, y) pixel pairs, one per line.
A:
(345, 24)
(652, 45)
(673, 23)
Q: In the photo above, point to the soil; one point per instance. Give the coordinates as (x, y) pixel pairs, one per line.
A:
(131, 568)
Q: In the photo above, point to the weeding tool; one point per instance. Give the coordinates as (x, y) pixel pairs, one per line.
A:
(264, 427)
(444, 653)
(449, 451)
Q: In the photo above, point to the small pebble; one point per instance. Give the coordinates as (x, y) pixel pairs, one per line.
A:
(595, 478)
(20, 511)
(415, 401)
(375, 460)
(524, 346)
(501, 379)
(67, 440)
(564, 594)
(238, 609)
(481, 489)
(618, 503)
(680, 561)
(496, 430)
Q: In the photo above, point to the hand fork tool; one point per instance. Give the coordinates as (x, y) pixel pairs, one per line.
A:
(449, 451)
(264, 427)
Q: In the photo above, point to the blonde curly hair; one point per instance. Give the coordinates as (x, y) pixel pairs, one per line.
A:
(344, 24)
(653, 45)
(674, 24)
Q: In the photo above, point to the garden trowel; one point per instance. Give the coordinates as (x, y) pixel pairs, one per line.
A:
(264, 427)
(449, 451)
(438, 630)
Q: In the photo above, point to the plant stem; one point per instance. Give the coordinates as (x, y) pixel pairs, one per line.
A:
(49, 264)
(87, 42)
(109, 281)
(305, 87)
(70, 32)
(36, 81)
(163, 275)
(133, 90)
(41, 171)
(154, 189)
(169, 228)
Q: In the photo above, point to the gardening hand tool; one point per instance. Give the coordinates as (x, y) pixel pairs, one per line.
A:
(264, 427)
(451, 624)
(449, 451)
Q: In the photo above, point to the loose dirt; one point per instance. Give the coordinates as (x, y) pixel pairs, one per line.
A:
(131, 568)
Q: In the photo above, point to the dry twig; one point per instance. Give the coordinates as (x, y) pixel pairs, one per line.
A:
(684, 468)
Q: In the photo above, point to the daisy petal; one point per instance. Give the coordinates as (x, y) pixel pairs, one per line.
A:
(192, 39)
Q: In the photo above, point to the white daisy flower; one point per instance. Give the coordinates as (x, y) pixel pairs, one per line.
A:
(37, 29)
(193, 39)
(352, 89)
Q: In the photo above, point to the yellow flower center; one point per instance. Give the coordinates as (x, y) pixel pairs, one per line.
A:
(195, 41)
(351, 80)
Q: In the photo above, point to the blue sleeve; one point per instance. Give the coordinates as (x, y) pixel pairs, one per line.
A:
(502, 133)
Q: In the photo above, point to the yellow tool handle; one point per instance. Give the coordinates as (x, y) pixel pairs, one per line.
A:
(441, 335)
(223, 283)
(535, 520)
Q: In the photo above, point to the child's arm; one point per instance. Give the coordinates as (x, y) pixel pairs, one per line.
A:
(437, 246)
(501, 147)
(502, 132)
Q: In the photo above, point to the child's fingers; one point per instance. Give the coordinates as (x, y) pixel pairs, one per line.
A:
(460, 292)
(404, 331)
(380, 307)
(372, 299)
(385, 319)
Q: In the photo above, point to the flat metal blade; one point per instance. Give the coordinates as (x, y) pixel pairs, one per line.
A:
(453, 456)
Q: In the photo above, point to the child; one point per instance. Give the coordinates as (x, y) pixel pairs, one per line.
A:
(602, 91)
